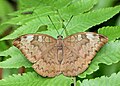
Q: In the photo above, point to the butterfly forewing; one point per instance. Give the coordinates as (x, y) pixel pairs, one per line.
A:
(33, 45)
(79, 49)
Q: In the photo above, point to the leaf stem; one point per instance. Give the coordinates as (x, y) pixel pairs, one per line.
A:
(74, 79)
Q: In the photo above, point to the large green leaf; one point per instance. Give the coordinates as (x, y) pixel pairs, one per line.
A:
(33, 79)
(85, 21)
(104, 3)
(112, 32)
(22, 18)
(77, 7)
(79, 23)
(32, 27)
(113, 80)
(56, 4)
(23, 4)
(17, 59)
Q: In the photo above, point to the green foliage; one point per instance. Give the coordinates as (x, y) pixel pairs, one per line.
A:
(87, 20)
(60, 11)
(4, 5)
(33, 79)
(5, 8)
(83, 5)
(90, 19)
(111, 32)
(113, 80)
(17, 59)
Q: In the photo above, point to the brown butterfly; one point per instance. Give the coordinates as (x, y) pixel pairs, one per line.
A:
(51, 57)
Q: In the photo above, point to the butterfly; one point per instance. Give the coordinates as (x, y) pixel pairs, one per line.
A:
(69, 56)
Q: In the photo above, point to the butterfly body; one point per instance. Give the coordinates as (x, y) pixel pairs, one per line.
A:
(51, 57)
(59, 43)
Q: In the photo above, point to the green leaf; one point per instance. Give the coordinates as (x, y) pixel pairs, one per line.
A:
(56, 4)
(86, 20)
(5, 8)
(108, 55)
(77, 7)
(17, 59)
(22, 18)
(104, 3)
(112, 32)
(33, 79)
(33, 26)
(83, 22)
(38, 10)
(23, 4)
(118, 21)
(3, 46)
(113, 80)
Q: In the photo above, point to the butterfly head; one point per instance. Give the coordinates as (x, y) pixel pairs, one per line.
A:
(59, 37)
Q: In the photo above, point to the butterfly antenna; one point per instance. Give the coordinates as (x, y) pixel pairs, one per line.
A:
(53, 24)
(66, 25)
(61, 19)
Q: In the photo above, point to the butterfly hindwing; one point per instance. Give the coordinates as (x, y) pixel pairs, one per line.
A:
(48, 65)
(80, 49)
(72, 64)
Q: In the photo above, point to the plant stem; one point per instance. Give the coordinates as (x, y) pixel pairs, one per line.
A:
(74, 79)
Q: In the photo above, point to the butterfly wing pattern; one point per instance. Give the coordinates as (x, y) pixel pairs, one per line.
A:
(39, 49)
(69, 56)
(80, 50)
